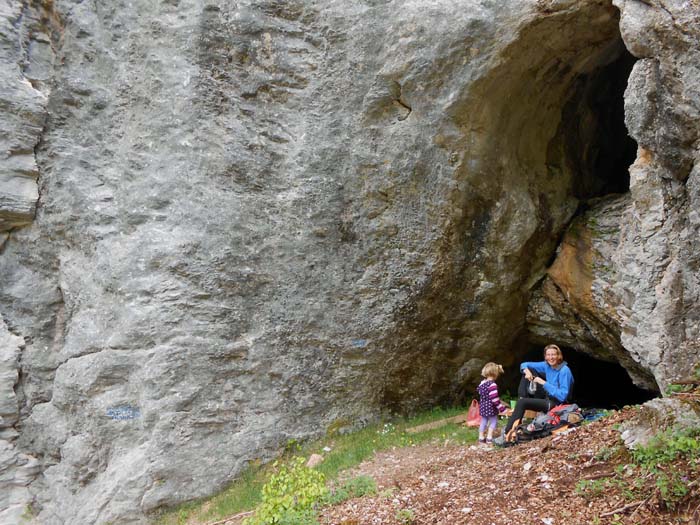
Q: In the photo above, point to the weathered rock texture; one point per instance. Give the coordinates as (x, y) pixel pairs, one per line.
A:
(658, 415)
(626, 280)
(26, 60)
(261, 219)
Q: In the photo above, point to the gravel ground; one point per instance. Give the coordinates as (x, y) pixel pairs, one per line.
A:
(532, 483)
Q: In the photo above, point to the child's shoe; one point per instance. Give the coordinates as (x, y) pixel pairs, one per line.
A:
(482, 441)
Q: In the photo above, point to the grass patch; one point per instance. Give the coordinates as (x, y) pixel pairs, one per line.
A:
(340, 452)
(352, 488)
(243, 494)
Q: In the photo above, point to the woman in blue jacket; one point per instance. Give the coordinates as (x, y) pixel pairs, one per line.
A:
(544, 385)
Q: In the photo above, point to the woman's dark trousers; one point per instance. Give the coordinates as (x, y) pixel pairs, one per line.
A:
(539, 402)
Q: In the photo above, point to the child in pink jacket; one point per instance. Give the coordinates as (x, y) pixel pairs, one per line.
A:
(489, 403)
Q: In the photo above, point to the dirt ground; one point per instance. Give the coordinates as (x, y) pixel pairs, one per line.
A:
(532, 483)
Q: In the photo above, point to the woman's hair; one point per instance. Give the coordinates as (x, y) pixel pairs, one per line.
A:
(491, 370)
(557, 349)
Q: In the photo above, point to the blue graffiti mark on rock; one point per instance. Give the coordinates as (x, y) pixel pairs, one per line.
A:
(123, 413)
(359, 343)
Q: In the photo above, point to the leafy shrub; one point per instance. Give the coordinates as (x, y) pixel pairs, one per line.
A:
(290, 495)
(298, 517)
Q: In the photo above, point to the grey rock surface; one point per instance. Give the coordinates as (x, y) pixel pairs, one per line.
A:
(17, 470)
(26, 61)
(626, 282)
(259, 219)
(660, 284)
(578, 303)
(659, 415)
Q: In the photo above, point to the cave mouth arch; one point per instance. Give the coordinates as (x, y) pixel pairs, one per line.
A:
(542, 141)
(593, 142)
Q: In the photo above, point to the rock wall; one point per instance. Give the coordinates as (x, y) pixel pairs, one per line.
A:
(625, 284)
(27, 63)
(258, 220)
(661, 327)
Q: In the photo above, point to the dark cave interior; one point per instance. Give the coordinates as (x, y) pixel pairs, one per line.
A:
(598, 384)
(597, 145)
(599, 152)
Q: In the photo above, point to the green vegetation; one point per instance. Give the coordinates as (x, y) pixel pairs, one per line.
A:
(675, 389)
(264, 485)
(28, 516)
(405, 516)
(667, 448)
(607, 453)
(591, 488)
(290, 495)
(671, 459)
(352, 488)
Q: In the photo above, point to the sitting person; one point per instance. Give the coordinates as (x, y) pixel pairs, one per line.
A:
(544, 385)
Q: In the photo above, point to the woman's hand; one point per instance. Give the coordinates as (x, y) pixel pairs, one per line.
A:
(539, 381)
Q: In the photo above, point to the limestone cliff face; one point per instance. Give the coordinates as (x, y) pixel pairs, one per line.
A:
(661, 284)
(626, 279)
(240, 222)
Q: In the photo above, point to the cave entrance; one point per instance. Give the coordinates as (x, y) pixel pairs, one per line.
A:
(592, 144)
(538, 142)
(598, 384)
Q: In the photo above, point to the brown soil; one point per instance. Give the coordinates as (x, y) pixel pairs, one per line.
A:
(533, 483)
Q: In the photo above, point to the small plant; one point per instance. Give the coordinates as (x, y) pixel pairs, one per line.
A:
(606, 453)
(292, 445)
(405, 516)
(352, 488)
(290, 495)
(666, 448)
(388, 493)
(674, 388)
(298, 517)
(591, 488)
(672, 488)
(386, 429)
(28, 515)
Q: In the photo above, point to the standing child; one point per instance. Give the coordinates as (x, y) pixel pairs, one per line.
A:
(489, 403)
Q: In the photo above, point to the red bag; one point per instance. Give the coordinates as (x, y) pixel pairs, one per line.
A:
(473, 416)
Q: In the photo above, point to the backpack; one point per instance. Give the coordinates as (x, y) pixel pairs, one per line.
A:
(557, 419)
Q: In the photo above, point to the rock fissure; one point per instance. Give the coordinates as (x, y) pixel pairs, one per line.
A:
(406, 107)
